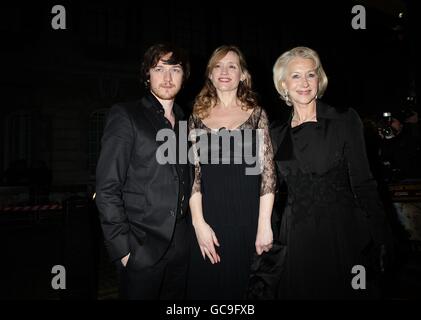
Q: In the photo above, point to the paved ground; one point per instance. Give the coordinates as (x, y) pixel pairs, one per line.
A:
(30, 249)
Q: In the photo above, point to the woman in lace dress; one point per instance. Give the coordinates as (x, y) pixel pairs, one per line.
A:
(334, 225)
(233, 192)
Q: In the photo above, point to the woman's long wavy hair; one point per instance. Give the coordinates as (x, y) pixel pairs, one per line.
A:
(208, 98)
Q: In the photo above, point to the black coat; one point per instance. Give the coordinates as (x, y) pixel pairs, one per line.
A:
(136, 196)
(333, 219)
(341, 137)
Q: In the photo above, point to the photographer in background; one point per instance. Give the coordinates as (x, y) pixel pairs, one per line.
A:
(400, 147)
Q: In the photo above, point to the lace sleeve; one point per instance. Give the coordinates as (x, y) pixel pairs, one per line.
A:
(268, 180)
(197, 172)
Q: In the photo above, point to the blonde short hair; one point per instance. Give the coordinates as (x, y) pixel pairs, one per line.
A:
(281, 64)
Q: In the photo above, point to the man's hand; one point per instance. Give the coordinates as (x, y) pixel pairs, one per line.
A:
(125, 259)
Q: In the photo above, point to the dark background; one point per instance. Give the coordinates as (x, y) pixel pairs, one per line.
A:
(57, 86)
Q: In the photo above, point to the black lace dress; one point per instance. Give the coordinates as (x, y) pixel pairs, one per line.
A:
(333, 219)
(230, 201)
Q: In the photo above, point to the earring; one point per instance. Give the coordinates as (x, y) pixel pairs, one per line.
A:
(286, 96)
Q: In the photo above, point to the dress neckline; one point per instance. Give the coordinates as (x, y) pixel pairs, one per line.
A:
(237, 128)
(303, 123)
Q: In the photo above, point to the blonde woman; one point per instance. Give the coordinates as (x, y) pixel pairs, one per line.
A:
(334, 225)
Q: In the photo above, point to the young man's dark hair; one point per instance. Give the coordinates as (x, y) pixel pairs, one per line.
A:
(155, 53)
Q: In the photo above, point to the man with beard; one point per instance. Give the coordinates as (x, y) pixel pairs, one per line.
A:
(142, 202)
